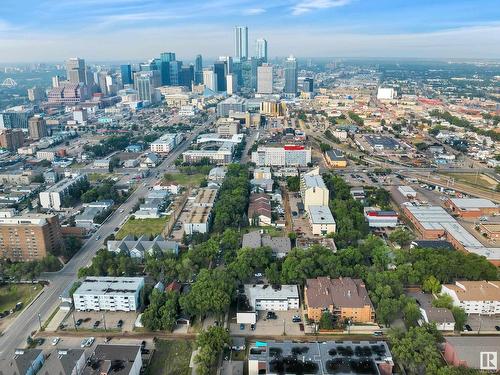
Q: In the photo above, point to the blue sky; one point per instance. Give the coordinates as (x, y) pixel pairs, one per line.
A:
(51, 30)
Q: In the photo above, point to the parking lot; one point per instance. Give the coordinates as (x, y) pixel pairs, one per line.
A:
(299, 219)
(483, 324)
(283, 324)
(108, 320)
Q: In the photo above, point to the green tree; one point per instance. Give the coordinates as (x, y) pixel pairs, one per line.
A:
(210, 344)
(387, 310)
(326, 321)
(324, 147)
(443, 301)
(293, 183)
(401, 236)
(411, 314)
(460, 317)
(431, 285)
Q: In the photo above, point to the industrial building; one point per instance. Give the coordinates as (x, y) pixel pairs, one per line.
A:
(380, 219)
(109, 294)
(472, 208)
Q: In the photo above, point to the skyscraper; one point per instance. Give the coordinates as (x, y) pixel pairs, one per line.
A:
(210, 79)
(261, 49)
(75, 70)
(220, 69)
(164, 66)
(186, 76)
(231, 83)
(198, 70)
(241, 42)
(37, 127)
(145, 83)
(290, 68)
(249, 73)
(126, 71)
(265, 79)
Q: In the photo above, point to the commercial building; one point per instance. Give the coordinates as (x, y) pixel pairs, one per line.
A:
(210, 79)
(335, 159)
(142, 246)
(265, 79)
(314, 191)
(272, 298)
(146, 84)
(472, 352)
(67, 94)
(241, 42)
(75, 70)
(11, 139)
(381, 143)
(28, 237)
(291, 76)
(166, 143)
(273, 108)
(109, 294)
(380, 219)
(109, 359)
(222, 156)
(52, 198)
(287, 156)
(490, 230)
(227, 127)
(345, 298)
(435, 223)
(280, 246)
(37, 128)
(321, 220)
(386, 93)
(15, 117)
(327, 357)
(233, 103)
(472, 208)
(475, 297)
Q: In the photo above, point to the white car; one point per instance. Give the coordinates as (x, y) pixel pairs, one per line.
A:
(55, 340)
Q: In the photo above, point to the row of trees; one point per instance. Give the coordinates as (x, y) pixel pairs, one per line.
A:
(29, 270)
(103, 191)
(230, 208)
(108, 145)
(108, 263)
(210, 344)
(161, 313)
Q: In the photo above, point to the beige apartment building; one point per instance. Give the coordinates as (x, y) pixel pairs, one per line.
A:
(28, 237)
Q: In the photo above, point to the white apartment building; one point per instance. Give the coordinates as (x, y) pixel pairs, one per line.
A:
(52, 197)
(109, 294)
(321, 220)
(287, 156)
(314, 191)
(262, 173)
(266, 297)
(475, 297)
(166, 143)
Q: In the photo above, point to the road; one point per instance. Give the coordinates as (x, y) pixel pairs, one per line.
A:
(28, 321)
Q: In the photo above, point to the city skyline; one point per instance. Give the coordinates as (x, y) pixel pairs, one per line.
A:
(117, 29)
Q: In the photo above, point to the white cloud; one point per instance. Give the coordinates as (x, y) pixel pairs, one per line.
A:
(253, 11)
(306, 6)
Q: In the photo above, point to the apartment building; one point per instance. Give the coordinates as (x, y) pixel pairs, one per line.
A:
(314, 191)
(344, 298)
(321, 220)
(109, 294)
(28, 237)
(11, 139)
(272, 298)
(166, 143)
(52, 198)
(475, 297)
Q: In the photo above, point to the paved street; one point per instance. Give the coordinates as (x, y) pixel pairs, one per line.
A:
(28, 321)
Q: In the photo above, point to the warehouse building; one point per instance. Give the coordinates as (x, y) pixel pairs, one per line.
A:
(380, 219)
(472, 208)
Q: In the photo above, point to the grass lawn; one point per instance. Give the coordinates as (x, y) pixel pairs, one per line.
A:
(138, 227)
(185, 179)
(11, 294)
(171, 358)
(479, 181)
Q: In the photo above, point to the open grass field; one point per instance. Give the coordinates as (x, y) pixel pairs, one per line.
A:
(478, 181)
(171, 358)
(138, 227)
(185, 179)
(11, 294)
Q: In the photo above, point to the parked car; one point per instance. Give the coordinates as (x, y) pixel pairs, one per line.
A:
(252, 327)
(119, 324)
(468, 328)
(378, 333)
(55, 340)
(296, 319)
(271, 315)
(242, 327)
(107, 339)
(97, 323)
(79, 322)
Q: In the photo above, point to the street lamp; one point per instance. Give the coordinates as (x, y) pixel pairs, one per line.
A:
(40, 321)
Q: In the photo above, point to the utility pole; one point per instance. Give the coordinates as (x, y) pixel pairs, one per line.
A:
(40, 321)
(74, 321)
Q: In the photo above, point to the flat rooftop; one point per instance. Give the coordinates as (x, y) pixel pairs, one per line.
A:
(109, 285)
(269, 292)
(472, 203)
(199, 215)
(205, 196)
(321, 215)
(328, 357)
(314, 181)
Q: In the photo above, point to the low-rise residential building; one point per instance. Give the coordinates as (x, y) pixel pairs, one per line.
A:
(335, 159)
(205, 197)
(259, 210)
(475, 297)
(166, 143)
(344, 298)
(113, 359)
(198, 221)
(101, 163)
(321, 220)
(472, 208)
(272, 297)
(274, 358)
(280, 246)
(52, 198)
(358, 193)
(217, 174)
(109, 294)
(441, 317)
(149, 160)
(142, 246)
(472, 352)
(23, 362)
(64, 362)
